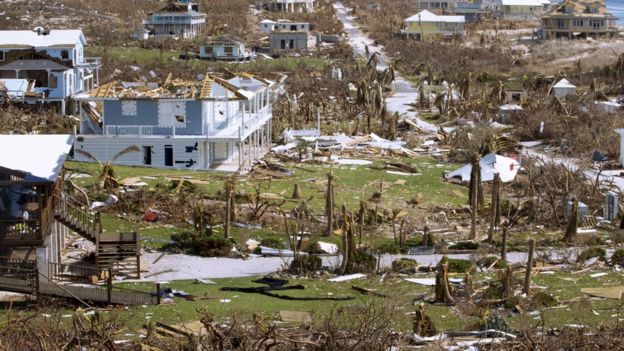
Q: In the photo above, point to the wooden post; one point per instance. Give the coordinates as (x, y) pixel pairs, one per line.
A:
(109, 285)
(504, 244)
(158, 293)
(496, 207)
(37, 294)
(529, 268)
(329, 208)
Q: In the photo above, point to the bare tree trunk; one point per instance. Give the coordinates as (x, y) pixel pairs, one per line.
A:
(572, 228)
(504, 244)
(442, 288)
(496, 208)
(529, 268)
(507, 282)
(474, 196)
(329, 207)
(228, 215)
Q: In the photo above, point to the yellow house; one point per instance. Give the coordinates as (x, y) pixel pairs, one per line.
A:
(521, 9)
(427, 23)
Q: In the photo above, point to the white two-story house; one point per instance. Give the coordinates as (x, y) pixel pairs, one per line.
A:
(54, 59)
(210, 124)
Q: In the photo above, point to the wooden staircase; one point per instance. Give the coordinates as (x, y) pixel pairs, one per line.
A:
(119, 251)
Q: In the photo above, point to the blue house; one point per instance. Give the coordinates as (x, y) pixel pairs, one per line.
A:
(209, 124)
(54, 60)
(177, 19)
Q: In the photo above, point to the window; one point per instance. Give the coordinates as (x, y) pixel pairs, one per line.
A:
(64, 54)
(1, 55)
(283, 44)
(53, 81)
(129, 108)
(169, 155)
(293, 27)
(228, 50)
(578, 22)
(147, 155)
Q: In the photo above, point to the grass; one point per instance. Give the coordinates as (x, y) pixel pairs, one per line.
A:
(352, 184)
(244, 305)
(141, 56)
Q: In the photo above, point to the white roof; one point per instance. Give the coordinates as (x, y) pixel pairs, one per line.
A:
(510, 107)
(426, 16)
(61, 37)
(491, 164)
(41, 156)
(522, 3)
(267, 21)
(564, 83)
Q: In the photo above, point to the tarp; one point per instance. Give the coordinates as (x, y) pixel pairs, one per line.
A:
(491, 164)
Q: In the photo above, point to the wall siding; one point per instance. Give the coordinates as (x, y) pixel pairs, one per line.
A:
(184, 154)
(147, 115)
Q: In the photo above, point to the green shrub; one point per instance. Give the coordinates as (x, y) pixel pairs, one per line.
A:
(458, 265)
(544, 299)
(618, 257)
(465, 245)
(306, 263)
(591, 253)
(194, 244)
(389, 247)
(362, 262)
(405, 265)
(493, 292)
(272, 243)
(489, 260)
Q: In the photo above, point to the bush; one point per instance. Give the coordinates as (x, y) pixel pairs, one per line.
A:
(487, 261)
(193, 244)
(591, 253)
(272, 243)
(465, 245)
(618, 257)
(458, 265)
(389, 247)
(363, 262)
(405, 265)
(306, 263)
(544, 299)
(493, 292)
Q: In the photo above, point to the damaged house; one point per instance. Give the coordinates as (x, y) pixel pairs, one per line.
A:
(178, 19)
(53, 60)
(208, 124)
(293, 6)
(579, 19)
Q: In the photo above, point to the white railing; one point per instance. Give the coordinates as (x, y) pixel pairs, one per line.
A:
(117, 130)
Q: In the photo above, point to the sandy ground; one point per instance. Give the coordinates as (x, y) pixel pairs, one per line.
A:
(404, 92)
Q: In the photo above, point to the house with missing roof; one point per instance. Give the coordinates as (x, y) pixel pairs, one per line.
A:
(46, 66)
(210, 124)
(520, 9)
(224, 49)
(177, 19)
(37, 214)
(579, 19)
(292, 6)
(426, 23)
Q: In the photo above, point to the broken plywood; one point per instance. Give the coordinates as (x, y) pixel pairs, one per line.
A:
(614, 292)
(295, 317)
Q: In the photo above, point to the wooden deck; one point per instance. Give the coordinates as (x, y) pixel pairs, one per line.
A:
(91, 293)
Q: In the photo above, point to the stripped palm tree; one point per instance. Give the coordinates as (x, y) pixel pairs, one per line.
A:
(106, 177)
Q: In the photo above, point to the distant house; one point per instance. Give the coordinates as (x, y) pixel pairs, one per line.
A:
(373, 6)
(268, 26)
(564, 88)
(225, 49)
(284, 41)
(426, 23)
(177, 19)
(54, 59)
(508, 112)
(520, 9)
(209, 124)
(435, 4)
(141, 34)
(293, 6)
(579, 19)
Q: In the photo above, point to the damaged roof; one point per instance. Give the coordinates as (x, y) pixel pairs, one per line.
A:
(211, 87)
(30, 38)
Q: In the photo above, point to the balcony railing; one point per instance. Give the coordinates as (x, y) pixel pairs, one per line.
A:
(90, 62)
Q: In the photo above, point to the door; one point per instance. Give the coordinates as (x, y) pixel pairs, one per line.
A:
(147, 155)
(169, 155)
